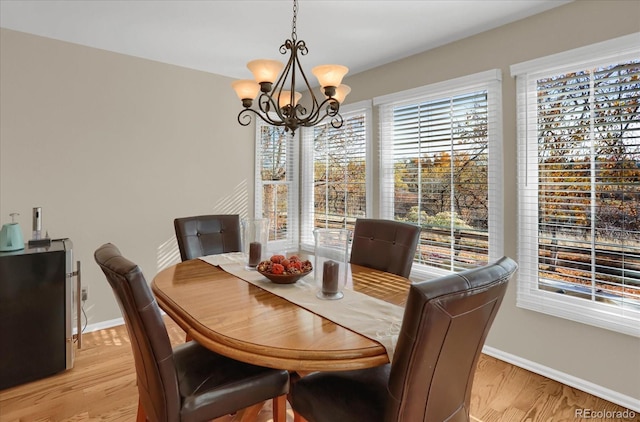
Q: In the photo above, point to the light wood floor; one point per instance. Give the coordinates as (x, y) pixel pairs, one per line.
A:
(101, 387)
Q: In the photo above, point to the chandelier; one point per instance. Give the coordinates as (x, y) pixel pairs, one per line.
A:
(278, 102)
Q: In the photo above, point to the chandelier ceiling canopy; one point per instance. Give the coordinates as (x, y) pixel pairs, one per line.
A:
(278, 88)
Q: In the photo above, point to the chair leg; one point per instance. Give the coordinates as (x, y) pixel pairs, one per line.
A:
(280, 409)
(295, 376)
(141, 416)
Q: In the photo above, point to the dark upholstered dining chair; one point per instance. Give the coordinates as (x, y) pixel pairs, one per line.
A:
(188, 382)
(207, 235)
(445, 324)
(385, 245)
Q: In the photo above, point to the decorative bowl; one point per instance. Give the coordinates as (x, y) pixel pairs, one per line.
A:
(283, 278)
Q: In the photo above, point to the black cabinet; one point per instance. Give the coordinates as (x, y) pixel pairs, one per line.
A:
(36, 296)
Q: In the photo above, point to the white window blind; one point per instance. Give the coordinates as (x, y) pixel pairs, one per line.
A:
(334, 188)
(579, 184)
(441, 168)
(276, 191)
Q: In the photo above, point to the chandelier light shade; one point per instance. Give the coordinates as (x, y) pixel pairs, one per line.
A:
(341, 92)
(265, 71)
(278, 96)
(330, 76)
(246, 90)
(285, 99)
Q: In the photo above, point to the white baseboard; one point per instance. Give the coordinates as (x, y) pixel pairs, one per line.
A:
(102, 325)
(586, 386)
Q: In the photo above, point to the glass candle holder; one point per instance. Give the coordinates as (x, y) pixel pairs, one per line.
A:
(255, 234)
(331, 260)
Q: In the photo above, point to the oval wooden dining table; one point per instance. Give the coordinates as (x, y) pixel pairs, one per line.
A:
(240, 320)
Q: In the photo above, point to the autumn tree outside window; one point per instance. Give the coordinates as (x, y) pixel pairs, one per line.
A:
(276, 189)
(441, 168)
(579, 184)
(336, 172)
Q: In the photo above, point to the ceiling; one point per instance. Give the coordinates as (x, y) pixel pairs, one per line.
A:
(221, 36)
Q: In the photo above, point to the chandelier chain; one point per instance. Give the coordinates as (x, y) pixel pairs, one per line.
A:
(294, 36)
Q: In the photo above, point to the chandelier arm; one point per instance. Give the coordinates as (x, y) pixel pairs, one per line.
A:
(293, 63)
(267, 105)
(288, 45)
(337, 121)
(311, 119)
(331, 108)
(315, 106)
(328, 108)
(279, 86)
(244, 118)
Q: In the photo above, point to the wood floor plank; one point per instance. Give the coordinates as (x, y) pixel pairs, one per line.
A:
(101, 387)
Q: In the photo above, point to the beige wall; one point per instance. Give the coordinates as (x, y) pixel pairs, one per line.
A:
(113, 148)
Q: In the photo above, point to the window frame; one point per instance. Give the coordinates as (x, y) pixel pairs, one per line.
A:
(292, 181)
(529, 295)
(491, 81)
(307, 171)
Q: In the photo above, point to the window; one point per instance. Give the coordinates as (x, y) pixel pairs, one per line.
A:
(335, 172)
(441, 168)
(276, 191)
(579, 184)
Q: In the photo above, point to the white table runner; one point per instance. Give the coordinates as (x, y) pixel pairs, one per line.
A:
(366, 315)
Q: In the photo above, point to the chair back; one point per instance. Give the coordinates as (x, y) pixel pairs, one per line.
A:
(153, 356)
(385, 245)
(207, 235)
(445, 324)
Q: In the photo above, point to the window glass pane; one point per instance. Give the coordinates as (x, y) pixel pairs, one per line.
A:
(275, 206)
(589, 183)
(440, 165)
(339, 173)
(276, 198)
(273, 153)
